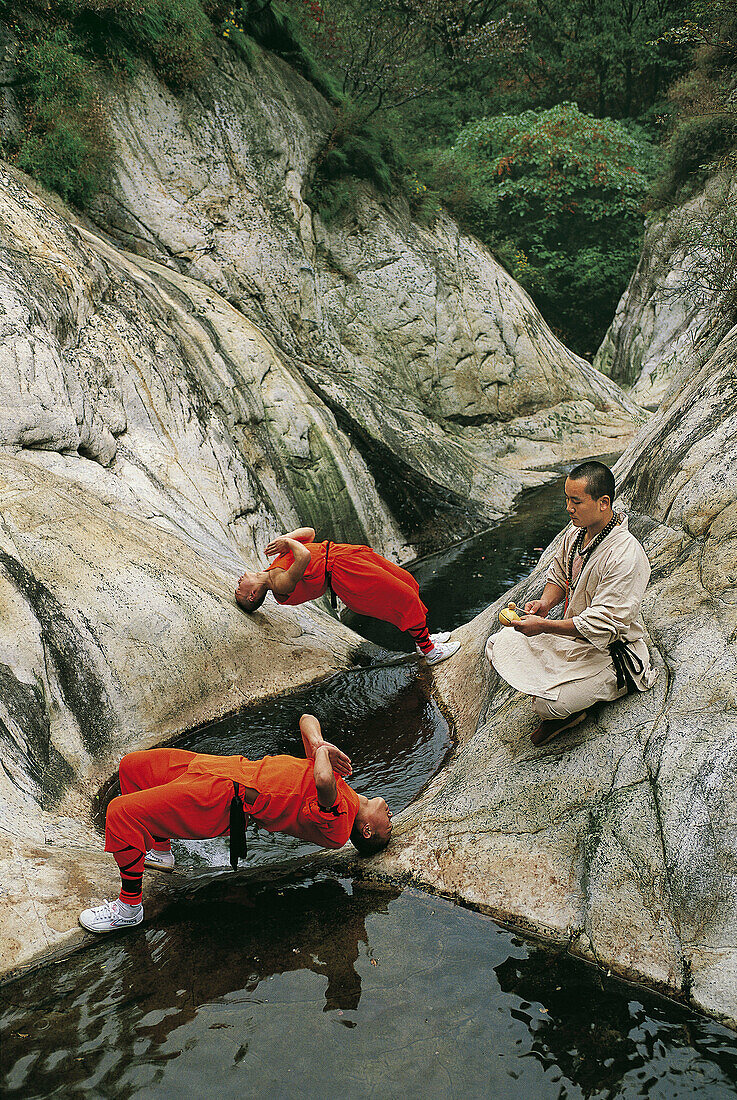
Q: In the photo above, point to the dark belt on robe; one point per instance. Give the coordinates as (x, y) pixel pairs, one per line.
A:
(329, 579)
(626, 665)
(238, 822)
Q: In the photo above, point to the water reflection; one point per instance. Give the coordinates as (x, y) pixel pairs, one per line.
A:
(610, 1038)
(384, 718)
(118, 1005)
(307, 987)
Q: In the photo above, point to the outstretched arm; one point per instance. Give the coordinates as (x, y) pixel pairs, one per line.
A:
(328, 760)
(302, 534)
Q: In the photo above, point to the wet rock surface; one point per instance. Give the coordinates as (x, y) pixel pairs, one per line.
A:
(114, 634)
(616, 838)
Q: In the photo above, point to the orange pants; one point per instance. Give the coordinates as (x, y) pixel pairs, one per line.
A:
(370, 584)
(159, 800)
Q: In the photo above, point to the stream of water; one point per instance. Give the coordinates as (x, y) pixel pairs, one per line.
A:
(302, 984)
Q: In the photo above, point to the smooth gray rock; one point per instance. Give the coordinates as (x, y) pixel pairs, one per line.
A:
(671, 317)
(151, 440)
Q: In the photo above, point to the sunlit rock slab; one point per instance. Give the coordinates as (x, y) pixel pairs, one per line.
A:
(434, 362)
(160, 395)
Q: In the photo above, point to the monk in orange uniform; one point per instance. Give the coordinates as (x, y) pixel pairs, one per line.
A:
(366, 583)
(174, 793)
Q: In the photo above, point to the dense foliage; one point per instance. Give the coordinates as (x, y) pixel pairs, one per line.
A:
(441, 72)
(62, 52)
(704, 137)
(609, 56)
(558, 195)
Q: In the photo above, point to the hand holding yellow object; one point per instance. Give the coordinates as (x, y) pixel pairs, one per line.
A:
(509, 614)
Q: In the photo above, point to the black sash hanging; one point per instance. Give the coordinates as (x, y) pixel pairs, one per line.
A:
(328, 579)
(626, 663)
(238, 821)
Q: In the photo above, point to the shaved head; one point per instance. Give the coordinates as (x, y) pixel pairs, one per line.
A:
(599, 479)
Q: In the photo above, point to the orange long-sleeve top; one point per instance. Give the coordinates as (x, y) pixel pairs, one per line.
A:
(287, 800)
(313, 582)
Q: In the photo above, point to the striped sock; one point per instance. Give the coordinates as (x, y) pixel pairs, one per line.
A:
(130, 890)
(421, 638)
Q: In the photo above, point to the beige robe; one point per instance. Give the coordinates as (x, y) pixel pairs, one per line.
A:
(605, 606)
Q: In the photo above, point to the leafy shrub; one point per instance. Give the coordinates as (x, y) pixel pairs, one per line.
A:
(275, 27)
(691, 151)
(233, 31)
(567, 189)
(356, 150)
(424, 202)
(704, 136)
(363, 154)
(64, 144)
(707, 238)
(174, 34)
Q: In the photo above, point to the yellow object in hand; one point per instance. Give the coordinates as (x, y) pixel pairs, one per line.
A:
(509, 615)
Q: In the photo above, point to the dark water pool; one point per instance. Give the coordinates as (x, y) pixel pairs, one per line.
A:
(322, 986)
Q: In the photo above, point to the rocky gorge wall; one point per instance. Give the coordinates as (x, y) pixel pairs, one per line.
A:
(150, 438)
(154, 435)
(434, 362)
(675, 311)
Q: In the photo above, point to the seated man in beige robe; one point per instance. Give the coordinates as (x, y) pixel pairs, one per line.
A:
(596, 652)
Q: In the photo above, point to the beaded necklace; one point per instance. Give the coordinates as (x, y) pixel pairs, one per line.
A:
(585, 553)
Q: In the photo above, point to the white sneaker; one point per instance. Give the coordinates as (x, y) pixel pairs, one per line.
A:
(436, 639)
(159, 861)
(110, 916)
(442, 652)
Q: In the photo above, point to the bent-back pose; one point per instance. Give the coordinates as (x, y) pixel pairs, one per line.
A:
(366, 583)
(175, 793)
(595, 652)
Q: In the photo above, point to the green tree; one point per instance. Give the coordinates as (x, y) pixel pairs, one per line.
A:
(558, 195)
(609, 56)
